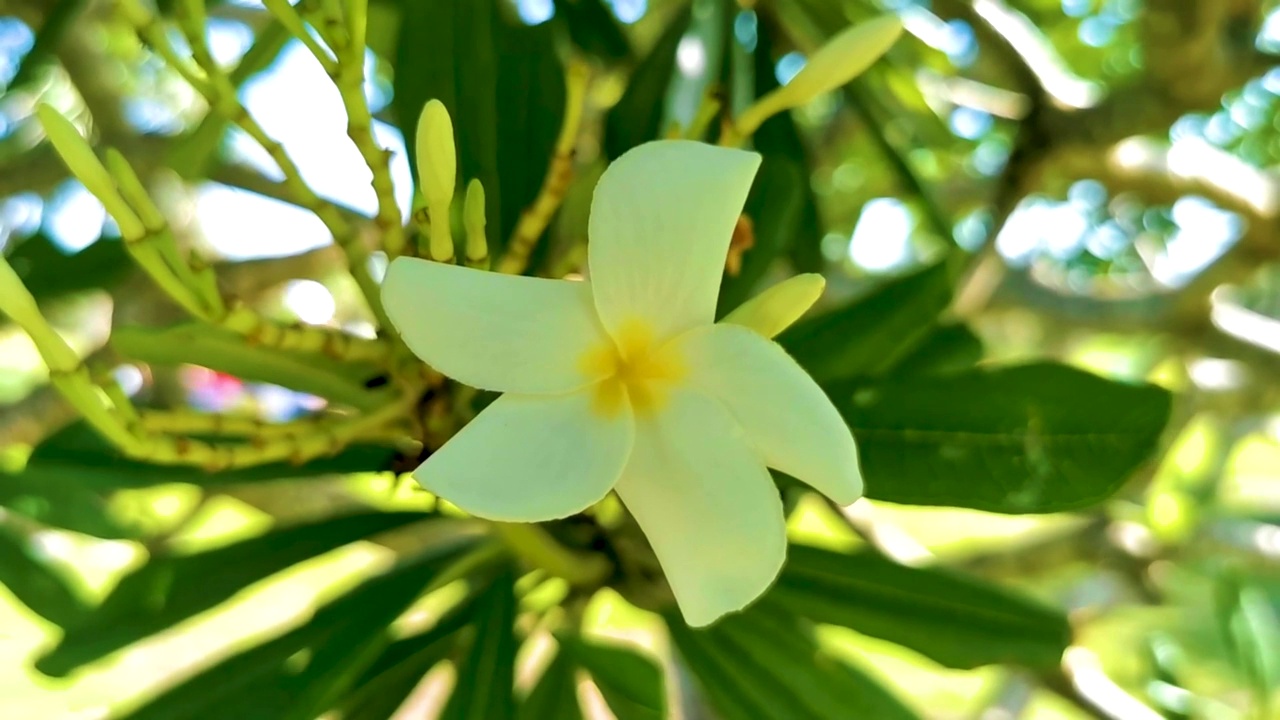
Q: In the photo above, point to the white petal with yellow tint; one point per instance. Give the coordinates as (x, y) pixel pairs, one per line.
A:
(661, 220)
(530, 458)
(785, 415)
(492, 331)
(707, 505)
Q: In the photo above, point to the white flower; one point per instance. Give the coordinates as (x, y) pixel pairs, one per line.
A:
(626, 382)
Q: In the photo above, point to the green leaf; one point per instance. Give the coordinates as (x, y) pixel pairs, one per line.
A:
(773, 638)
(446, 52)
(392, 676)
(867, 337)
(341, 664)
(486, 676)
(721, 678)
(532, 93)
(956, 621)
(58, 499)
(779, 135)
(171, 589)
(70, 467)
(774, 207)
(1028, 439)
(637, 118)
(1249, 625)
(50, 273)
(40, 587)
(594, 29)
(630, 682)
(263, 682)
(555, 695)
(949, 348)
(227, 352)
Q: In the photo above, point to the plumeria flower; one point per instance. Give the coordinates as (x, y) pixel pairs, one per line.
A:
(625, 381)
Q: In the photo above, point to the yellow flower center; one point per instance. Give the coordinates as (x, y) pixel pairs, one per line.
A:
(635, 369)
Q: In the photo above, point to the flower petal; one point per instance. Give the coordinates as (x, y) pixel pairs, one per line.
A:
(492, 331)
(785, 415)
(531, 458)
(708, 506)
(661, 220)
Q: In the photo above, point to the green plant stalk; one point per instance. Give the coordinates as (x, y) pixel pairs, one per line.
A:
(110, 413)
(535, 218)
(332, 26)
(534, 545)
(483, 555)
(219, 91)
(203, 291)
(356, 13)
(66, 372)
(349, 80)
(292, 21)
(229, 353)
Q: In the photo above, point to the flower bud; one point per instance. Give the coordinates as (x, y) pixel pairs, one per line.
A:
(843, 58)
(473, 220)
(775, 309)
(80, 160)
(437, 156)
(132, 190)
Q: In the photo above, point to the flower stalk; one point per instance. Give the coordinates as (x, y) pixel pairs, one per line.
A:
(536, 546)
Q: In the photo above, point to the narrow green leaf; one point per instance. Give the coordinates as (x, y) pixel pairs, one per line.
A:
(263, 682)
(1249, 625)
(637, 117)
(59, 499)
(867, 337)
(486, 676)
(736, 686)
(532, 95)
(722, 688)
(446, 52)
(555, 695)
(594, 29)
(77, 462)
(380, 691)
(170, 589)
(361, 643)
(383, 696)
(227, 352)
(630, 682)
(779, 135)
(1027, 439)
(774, 207)
(774, 638)
(949, 348)
(51, 273)
(956, 621)
(40, 587)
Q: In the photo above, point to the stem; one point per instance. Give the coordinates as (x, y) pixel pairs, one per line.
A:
(533, 544)
(534, 220)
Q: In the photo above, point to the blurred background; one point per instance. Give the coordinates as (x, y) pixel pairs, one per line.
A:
(1108, 166)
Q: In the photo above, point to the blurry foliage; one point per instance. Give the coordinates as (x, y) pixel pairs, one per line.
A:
(1042, 315)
